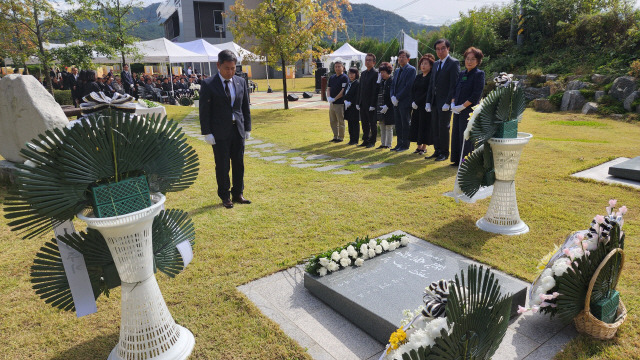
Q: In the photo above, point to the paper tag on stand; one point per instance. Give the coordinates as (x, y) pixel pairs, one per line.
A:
(77, 274)
(185, 251)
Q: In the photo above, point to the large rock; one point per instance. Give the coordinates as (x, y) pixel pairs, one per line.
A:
(598, 94)
(543, 105)
(623, 87)
(556, 86)
(599, 79)
(572, 100)
(590, 108)
(26, 110)
(576, 85)
(630, 99)
(532, 93)
(551, 77)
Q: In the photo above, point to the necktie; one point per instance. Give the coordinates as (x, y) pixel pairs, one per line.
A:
(441, 65)
(226, 90)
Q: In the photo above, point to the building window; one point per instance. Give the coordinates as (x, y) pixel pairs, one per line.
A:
(209, 20)
(172, 26)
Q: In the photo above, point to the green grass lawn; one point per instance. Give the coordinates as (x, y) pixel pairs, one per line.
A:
(293, 85)
(300, 212)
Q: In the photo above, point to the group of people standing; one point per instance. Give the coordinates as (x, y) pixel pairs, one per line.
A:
(417, 103)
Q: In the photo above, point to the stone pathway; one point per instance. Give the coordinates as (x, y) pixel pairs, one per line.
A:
(257, 148)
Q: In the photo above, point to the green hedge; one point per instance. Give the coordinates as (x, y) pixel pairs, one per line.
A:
(63, 97)
(556, 99)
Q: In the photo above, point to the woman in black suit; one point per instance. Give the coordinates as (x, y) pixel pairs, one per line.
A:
(384, 110)
(420, 118)
(90, 84)
(468, 93)
(350, 112)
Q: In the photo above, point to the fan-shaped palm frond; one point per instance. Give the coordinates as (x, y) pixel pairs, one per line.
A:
(607, 278)
(472, 172)
(65, 163)
(170, 228)
(512, 104)
(479, 314)
(485, 125)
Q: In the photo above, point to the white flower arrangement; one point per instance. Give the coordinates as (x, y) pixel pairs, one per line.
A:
(354, 253)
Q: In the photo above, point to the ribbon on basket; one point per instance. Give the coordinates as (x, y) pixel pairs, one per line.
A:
(97, 101)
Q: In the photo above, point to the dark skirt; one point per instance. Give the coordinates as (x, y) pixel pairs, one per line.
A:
(421, 132)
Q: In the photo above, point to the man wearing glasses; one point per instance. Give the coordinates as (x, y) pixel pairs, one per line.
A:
(441, 91)
(401, 85)
(367, 102)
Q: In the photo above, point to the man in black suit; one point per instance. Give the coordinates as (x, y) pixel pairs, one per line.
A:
(225, 122)
(72, 84)
(127, 80)
(441, 91)
(367, 102)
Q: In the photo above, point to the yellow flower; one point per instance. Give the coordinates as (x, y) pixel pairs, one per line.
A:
(545, 259)
(396, 339)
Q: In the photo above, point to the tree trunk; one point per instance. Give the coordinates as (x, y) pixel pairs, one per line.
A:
(284, 83)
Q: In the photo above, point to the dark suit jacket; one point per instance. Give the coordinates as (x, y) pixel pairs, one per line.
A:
(127, 80)
(368, 88)
(352, 94)
(443, 83)
(469, 87)
(216, 112)
(402, 84)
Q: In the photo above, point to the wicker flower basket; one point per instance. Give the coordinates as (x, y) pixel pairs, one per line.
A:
(587, 323)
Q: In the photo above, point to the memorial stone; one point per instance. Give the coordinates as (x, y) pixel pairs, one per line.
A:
(629, 169)
(374, 295)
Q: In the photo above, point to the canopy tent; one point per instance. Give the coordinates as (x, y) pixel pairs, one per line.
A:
(345, 53)
(159, 51)
(240, 52)
(202, 47)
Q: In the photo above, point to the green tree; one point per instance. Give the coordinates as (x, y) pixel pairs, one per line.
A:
(80, 55)
(286, 31)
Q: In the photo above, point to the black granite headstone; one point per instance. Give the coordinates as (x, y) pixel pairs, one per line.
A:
(629, 169)
(374, 295)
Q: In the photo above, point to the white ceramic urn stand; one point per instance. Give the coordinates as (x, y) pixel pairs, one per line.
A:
(502, 216)
(147, 329)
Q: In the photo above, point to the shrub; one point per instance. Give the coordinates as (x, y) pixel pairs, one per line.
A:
(609, 105)
(607, 87)
(535, 77)
(635, 69)
(589, 95)
(63, 97)
(556, 99)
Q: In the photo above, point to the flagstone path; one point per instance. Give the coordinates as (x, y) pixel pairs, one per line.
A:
(273, 153)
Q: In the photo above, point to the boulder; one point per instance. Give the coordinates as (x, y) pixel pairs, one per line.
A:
(599, 94)
(630, 99)
(556, 86)
(623, 87)
(551, 77)
(599, 79)
(617, 116)
(590, 108)
(532, 93)
(26, 110)
(576, 85)
(543, 105)
(572, 100)
(573, 77)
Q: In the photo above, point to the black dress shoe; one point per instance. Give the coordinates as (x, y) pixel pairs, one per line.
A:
(370, 145)
(227, 203)
(363, 144)
(352, 143)
(433, 156)
(333, 140)
(402, 149)
(381, 147)
(442, 158)
(338, 140)
(394, 148)
(241, 200)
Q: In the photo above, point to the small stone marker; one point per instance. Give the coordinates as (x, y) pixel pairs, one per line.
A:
(357, 162)
(290, 151)
(374, 295)
(338, 159)
(343, 172)
(262, 146)
(296, 158)
(629, 169)
(304, 165)
(271, 158)
(252, 142)
(328, 168)
(376, 166)
(318, 157)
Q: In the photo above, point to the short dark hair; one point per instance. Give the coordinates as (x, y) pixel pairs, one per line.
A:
(227, 55)
(385, 66)
(372, 55)
(338, 62)
(440, 41)
(404, 52)
(427, 57)
(355, 71)
(477, 53)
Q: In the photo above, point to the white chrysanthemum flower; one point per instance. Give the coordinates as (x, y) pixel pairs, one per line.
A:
(322, 271)
(378, 249)
(472, 119)
(344, 254)
(350, 248)
(359, 261)
(547, 283)
(372, 253)
(353, 254)
(392, 245)
(335, 256)
(345, 262)
(364, 249)
(385, 245)
(373, 244)
(546, 272)
(404, 241)
(560, 266)
(365, 255)
(323, 261)
(333, 266)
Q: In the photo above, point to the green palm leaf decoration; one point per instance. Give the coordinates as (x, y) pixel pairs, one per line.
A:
(476, 170)
(170, 228)
(607, 278)
(109, 146)
(512, 104)
(485, 125)
(48, 277)
(479, 314)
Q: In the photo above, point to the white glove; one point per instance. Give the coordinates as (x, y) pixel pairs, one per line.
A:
(358, 107)
(371, 108)
(347, 104)
(414, 106)
(427, 107)
(209, 139)
(384, 109)
(330, 100)
(247, 135)
(457, 108)
(445, 107)
(394, 101)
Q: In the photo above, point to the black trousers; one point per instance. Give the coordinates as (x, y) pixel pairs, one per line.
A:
(353, 121)
(229, 151)
(369, 126)
(441, 123)
(460, 122)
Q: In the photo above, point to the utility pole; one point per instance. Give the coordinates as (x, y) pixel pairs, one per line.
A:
(363, 26)
(514, 12)
(384, 29)
(520, 38)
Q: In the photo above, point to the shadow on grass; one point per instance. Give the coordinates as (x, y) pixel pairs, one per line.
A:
(205, 209)
(97, 348)
(462, 236)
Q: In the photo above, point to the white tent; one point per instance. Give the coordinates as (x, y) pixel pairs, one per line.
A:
(240, 52)
(159, 51)
(202, 47)
(345, 53)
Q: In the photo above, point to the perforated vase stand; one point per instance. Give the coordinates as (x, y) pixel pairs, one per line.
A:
(503, 217)
(147, 329)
